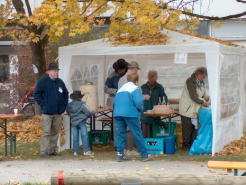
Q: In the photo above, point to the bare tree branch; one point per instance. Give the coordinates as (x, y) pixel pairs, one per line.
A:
(19, 6)
(98, 8)
(213, 17)
(28, 7)
(241, 1)
(87, 6)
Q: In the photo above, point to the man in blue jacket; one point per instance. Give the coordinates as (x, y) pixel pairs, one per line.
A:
(52, 95)
(128, 105)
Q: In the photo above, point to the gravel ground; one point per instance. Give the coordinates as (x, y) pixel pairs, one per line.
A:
(39, 171)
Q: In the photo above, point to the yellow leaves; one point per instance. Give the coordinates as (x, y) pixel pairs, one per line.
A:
(235, 148)
(141, 23)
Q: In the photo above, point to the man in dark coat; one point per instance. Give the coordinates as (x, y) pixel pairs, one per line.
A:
(52, 95)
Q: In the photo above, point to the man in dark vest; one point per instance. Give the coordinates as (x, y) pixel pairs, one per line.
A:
(52, 96)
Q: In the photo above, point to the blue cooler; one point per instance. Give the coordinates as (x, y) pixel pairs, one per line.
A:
(170, 145)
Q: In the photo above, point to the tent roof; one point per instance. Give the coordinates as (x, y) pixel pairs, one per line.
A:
(178, 42)
(175, 38)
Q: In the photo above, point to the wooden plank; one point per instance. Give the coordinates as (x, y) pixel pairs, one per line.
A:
(227, 165)
(151, 114)
(9, 116)
(105, 120)
(145, 178)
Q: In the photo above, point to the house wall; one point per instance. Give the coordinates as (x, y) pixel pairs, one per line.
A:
(8, 92)
(228, 30)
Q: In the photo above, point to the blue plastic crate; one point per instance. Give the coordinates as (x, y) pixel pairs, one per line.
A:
(154, 145)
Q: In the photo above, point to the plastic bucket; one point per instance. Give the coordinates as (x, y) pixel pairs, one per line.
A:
(170, 145)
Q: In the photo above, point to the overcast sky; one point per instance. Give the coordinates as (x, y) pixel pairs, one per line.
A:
(208, 7)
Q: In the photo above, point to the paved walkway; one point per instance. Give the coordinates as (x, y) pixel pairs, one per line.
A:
(40, 170)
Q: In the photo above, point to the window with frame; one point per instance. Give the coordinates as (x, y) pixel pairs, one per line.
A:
(4, 68)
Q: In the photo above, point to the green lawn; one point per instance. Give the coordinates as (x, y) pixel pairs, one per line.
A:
(30, 151)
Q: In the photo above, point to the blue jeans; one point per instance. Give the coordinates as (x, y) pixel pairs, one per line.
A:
(134, 125)
(82, 130)
(115, 132)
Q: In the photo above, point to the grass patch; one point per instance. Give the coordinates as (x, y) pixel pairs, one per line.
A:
(30, 151)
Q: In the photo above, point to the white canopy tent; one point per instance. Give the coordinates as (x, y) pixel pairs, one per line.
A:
(92, 61)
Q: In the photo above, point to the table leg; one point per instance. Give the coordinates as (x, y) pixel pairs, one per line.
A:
(14, 143)
(170, 119)
(70, 130)
(149, 127)
(94, 122)
(235, 172)
(112, 130)
(6, 137)
(10, 143)
(91, 122)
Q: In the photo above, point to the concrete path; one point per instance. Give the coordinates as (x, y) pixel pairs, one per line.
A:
(39, 171)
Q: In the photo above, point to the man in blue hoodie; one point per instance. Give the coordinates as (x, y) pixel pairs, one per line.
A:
(52, 95)
(128, 105)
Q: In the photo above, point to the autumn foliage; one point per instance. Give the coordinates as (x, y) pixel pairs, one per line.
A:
(132, 21)
(141, 22)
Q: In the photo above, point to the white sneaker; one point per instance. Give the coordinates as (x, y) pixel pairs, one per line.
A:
(88, 153)
(75, 154)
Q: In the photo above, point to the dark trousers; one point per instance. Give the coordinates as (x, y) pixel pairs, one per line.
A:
(130, 144)
(188, 132)
(146, 127)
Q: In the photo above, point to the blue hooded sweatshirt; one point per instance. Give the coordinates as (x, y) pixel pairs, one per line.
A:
(78, 112)
(128, 101)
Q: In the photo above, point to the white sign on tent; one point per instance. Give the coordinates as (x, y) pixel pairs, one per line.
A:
(180, 58)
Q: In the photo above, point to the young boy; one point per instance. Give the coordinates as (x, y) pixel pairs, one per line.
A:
(79, 113)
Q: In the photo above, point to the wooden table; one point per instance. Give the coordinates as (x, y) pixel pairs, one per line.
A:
(165, 115)
(5, 118)
(101, 111)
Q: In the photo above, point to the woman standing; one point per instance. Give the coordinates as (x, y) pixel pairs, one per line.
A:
(193, 97)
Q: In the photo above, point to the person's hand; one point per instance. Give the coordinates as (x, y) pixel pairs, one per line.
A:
(205, 104)
(146, 97)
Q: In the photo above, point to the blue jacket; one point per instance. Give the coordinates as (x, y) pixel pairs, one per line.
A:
(128, 101)
(51, 95)
(112, 81)
(78, 112)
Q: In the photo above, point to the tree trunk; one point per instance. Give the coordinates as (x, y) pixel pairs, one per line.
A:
(38, 59)
(38, 56)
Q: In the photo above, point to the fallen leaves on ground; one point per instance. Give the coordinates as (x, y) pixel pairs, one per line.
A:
(30, 130)
(237, 147)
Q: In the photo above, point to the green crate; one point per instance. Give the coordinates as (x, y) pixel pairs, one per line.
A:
(99, 137)
(163, 129)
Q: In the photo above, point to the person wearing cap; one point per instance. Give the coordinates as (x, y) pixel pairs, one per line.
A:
(52, 96)
(133, 67)
(111, 84)
(79, 113)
